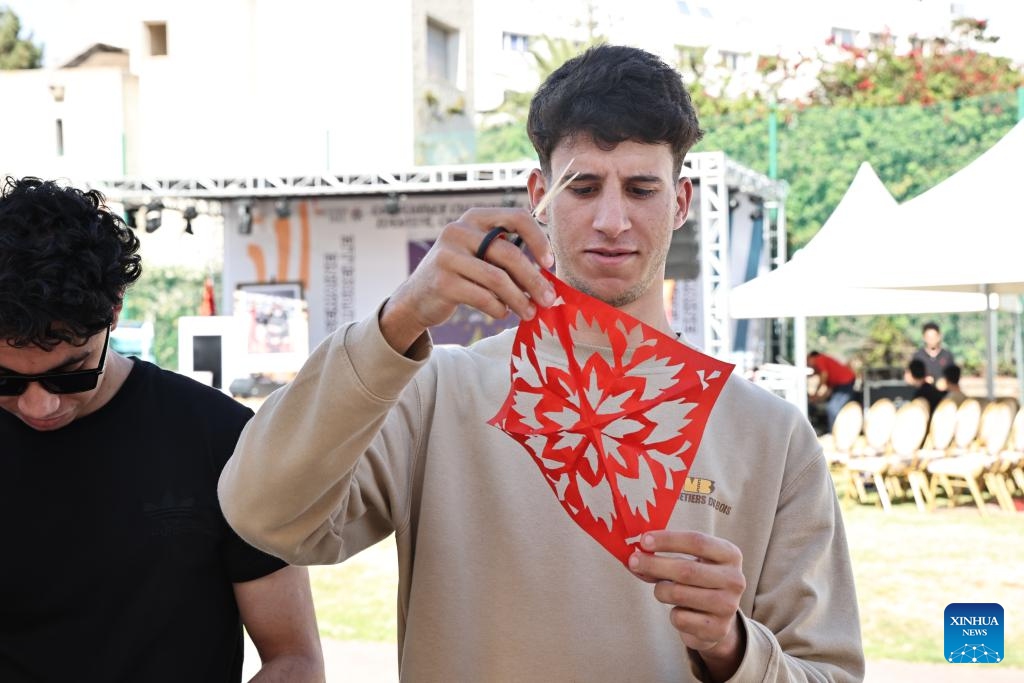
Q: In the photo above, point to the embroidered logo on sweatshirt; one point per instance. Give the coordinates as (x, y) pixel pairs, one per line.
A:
(699, 491)
(974, 633)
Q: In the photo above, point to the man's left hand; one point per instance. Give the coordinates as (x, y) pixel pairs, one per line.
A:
(701, 577)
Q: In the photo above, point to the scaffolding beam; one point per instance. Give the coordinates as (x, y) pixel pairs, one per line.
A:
(716, 175)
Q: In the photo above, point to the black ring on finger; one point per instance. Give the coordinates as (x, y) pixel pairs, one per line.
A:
(491, 235)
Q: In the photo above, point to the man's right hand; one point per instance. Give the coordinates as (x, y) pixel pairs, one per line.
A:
(451, 274)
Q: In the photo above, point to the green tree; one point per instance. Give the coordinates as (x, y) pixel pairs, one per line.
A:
(16, 52)
(162, 295)
(937, 69)
(507, 140)
(705, 84)
(504, 142)
(888, 341)
(916, 117)
(912, 148)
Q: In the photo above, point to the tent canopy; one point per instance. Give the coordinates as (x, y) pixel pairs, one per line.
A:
(965, 233)
(942, 251)
(821, 278)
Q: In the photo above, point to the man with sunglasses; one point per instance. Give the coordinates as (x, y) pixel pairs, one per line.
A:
(119, 564)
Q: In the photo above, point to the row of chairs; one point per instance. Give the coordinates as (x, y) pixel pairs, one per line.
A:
(972, 446)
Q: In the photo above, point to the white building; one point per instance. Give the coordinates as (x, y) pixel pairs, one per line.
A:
(229, 106)
(262, 87)
(243, 87)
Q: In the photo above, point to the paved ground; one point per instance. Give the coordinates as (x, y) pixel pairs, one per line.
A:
(346, 661)
(356, 662)
(898, 672)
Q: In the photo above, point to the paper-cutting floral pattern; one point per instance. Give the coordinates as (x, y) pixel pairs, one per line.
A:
(612, 412)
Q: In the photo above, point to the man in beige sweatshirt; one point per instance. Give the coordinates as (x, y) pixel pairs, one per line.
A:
(382, 433)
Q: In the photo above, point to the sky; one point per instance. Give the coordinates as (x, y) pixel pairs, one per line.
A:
(47, 20)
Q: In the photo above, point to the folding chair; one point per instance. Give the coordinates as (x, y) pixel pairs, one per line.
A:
(967, 470)
(892, 436)
(908, 434)
(937, 444)
(1008, 470)
(878, 422)
(838, 445)
(1016, 448)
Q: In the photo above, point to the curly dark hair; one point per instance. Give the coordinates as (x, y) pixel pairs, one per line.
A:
(612, 94)
(65, 262)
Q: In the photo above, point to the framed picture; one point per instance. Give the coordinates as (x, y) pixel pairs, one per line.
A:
(274, 328)
(287, 289)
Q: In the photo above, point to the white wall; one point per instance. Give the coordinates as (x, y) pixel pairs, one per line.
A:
(350, 253)
(265, 87)
(259, 87)
(248, 87)
(92, 116)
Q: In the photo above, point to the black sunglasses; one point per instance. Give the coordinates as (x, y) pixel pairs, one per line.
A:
(73, 382)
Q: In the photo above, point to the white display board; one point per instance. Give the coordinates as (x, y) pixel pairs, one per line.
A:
(348, 253)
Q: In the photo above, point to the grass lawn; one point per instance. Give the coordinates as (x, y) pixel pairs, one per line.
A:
(357, 600)
(908, 566)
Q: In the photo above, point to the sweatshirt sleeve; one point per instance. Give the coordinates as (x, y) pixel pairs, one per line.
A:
(805, 624)
(313, 461)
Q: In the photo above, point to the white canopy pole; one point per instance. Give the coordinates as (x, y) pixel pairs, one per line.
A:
(991, 330)
(800, 355)
(1019, 349)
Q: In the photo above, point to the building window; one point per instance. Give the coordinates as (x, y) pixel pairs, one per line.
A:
(60, 137)
(684, 8)
(843, 36)
(690, 57)
(515, 42)
(881, 41)
(731, 60)
(156, 32)
(442, 52)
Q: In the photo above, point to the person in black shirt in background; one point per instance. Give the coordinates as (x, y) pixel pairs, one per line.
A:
(934, 356)
(924, 388)
(951, 373)
(119, 564)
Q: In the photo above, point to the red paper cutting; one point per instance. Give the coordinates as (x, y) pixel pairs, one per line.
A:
(614, 434)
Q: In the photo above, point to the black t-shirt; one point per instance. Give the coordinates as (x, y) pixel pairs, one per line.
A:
(933, 365)
(931, 393)
(118, 563)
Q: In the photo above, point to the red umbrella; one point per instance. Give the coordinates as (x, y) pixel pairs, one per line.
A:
(614, 434)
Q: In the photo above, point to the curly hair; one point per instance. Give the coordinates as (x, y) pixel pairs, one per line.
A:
(65, 263)
(613, 93)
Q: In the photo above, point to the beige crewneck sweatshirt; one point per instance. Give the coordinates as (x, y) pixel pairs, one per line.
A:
(496, 582)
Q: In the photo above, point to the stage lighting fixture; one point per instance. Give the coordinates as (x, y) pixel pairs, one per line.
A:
(188, 214)
(154, 215)
(245, 217)
(283, 208)
(130, 211)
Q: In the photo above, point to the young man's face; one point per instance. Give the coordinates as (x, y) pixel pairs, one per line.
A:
(932, 339)
(610, 230)
(39, 408)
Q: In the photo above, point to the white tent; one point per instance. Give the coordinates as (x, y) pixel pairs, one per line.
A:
(820, 279)
(966, 233)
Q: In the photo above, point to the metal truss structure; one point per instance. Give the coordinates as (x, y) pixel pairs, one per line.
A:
(716, 175)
